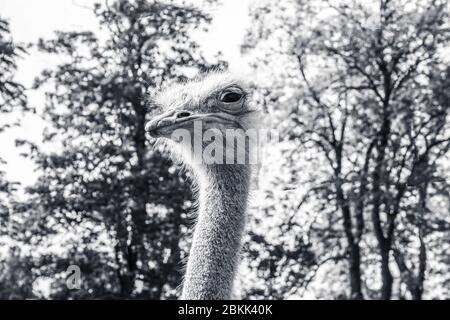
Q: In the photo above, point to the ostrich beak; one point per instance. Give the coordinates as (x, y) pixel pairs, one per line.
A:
(164, 124)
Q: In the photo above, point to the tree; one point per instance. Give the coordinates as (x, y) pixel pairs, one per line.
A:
(370, 111)
(12, 93)
(12, 98)
(107, 176)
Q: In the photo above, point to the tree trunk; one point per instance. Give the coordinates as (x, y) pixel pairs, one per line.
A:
(124, 255)
(141, 188)
(384, 242)
(353, 246)
(386, 276)
(355, 273)
(125, 276)
(418, 290)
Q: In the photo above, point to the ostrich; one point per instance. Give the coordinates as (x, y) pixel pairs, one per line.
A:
(219, 101)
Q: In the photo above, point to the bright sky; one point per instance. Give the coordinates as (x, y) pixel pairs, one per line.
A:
(31, 20)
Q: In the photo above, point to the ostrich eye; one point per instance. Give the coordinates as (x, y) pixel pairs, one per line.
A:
(230, 97)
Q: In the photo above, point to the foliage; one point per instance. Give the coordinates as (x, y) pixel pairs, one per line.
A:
(12, 97)
(361, 96)
(11, 92)
(106, 180)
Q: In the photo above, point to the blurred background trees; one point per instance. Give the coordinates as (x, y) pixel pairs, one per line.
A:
(361, 95)
(12, 97)
(353, 203)
(109, 202)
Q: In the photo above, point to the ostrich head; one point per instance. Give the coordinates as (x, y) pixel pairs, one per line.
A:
(213, 110)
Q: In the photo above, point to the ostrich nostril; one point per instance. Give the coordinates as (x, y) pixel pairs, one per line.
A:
(183, 114)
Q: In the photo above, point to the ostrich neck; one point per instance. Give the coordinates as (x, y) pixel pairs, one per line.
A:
(215, 248)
